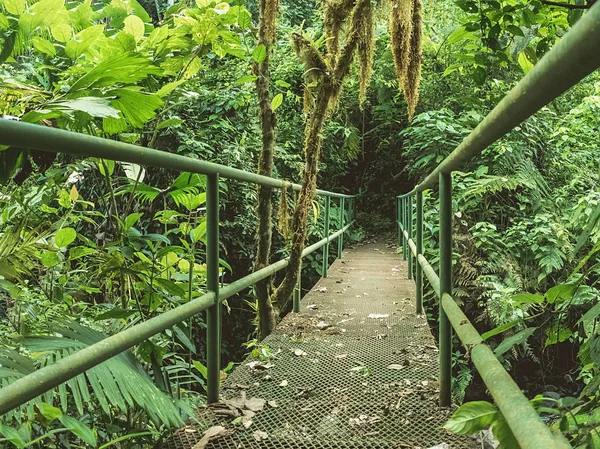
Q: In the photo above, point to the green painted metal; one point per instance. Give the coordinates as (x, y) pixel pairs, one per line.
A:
(445, 329)
(398, 231)
(403, 227)
(326, 233)
(574, 57)
(342, 212)
(430, 274)
(526, 425)
(213, 314)
(419, 269)
(44, 379)
(27, 135)
(410, 232)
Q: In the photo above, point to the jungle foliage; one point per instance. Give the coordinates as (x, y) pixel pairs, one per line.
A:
(89, 247)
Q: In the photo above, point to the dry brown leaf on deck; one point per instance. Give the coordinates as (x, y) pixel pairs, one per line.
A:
(259, 435)
(212, 433)
(396, 366)
(255, 404)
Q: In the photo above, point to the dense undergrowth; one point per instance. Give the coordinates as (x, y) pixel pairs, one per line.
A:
(90, 247)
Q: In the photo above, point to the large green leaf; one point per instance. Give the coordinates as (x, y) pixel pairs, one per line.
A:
(64, 237)
(15, 7)
(83, 40)
(134, 26)
(518, 338)
(121, 68)
(561, 293)
(137, 107)
(503, 434)
(94, 106)
(80, 429)
(472, 417)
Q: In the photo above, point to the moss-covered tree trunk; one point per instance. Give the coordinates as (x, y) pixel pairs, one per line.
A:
(350, 22)
(268, 10)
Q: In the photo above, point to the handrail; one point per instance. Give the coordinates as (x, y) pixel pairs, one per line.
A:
(521, 417)
(574, 57)
(43, 138)
(26, 135)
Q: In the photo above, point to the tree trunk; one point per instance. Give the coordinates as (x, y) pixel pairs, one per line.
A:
(312, 151)
(265, 167)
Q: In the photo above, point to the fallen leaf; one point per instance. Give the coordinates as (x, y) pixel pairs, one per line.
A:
(259, 435)
(255, 404)
(299, 353)
(322, 325)
(312, 307)
(272, 404)
(246, 422)
(396, 366)
(341, 356)
(259, 365)
(212, 433)
(378, 315)
(284, 383)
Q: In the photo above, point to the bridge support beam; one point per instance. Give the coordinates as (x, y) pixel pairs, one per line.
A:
(403, 220)
(445, 329)
(342, 212)
(419, 269)
(410, 235)
(213, 314)
(326, 234)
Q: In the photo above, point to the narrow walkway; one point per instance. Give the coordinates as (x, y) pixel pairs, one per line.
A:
(355, 369)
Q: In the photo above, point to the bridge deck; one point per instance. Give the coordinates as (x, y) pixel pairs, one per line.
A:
(357, 368)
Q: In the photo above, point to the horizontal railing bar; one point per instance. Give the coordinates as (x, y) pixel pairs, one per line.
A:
(574, 57)
(430, 274)
(30, 136)
(521, 417)
(44, 379)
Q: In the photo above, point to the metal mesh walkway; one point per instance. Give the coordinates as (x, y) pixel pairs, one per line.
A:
(355, 369)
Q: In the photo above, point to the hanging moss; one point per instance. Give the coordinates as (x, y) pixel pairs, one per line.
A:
(406, 27)
(283, 214)
(366, 52)
(412, 77)
(400, 33)
(336, 12)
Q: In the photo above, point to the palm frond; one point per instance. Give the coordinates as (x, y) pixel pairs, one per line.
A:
(119, 382)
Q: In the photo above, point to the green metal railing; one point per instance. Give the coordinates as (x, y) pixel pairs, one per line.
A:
(25, 135)
(574, 57)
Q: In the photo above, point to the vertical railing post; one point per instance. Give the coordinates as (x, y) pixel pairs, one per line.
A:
(213, 314)
(397, 222)
(410, 234)
(445, 330)
(403, 221)
(342, 211)
(326, 232)
(419, 274)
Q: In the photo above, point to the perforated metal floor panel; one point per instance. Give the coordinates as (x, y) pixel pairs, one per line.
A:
(355, 369)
